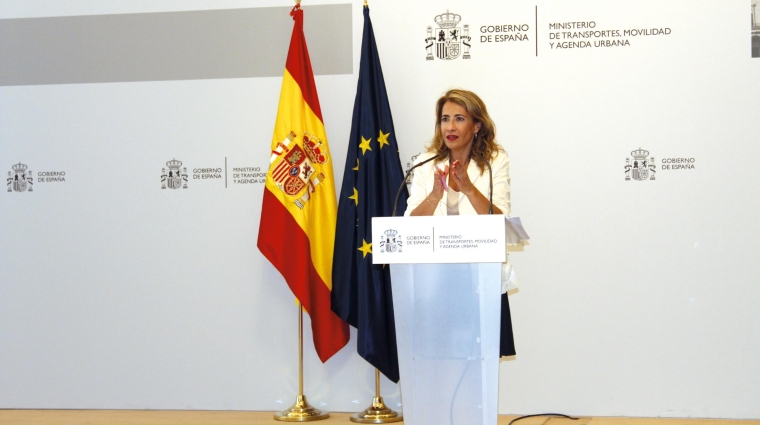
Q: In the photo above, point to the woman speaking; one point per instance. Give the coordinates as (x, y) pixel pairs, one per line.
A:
(458, 182)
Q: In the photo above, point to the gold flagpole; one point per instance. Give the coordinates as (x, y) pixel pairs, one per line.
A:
(301, 411)
(378, 412)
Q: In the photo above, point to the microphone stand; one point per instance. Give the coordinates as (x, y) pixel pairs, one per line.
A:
(403, 182)
(490, 188)
(490, 185)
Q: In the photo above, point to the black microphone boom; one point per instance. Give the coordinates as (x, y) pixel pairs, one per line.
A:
(403, 182)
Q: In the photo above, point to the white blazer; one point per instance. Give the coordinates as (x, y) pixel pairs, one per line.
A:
(423, 180)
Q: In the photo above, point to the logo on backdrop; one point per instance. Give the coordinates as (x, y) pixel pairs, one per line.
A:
(408, 168)
(292, 166)
(450, 41)
(643, 167)
(20, 179)
(391, 241)
(176, 178)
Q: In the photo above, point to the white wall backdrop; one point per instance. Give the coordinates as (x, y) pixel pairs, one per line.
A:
(637, 297)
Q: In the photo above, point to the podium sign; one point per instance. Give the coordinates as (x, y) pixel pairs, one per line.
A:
(439, 239)
(446, 284)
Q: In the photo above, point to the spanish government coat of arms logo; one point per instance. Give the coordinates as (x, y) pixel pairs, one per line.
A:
(410, 172)
(450, 41)
(20, 179)
(292, 166)
(391, 241)
(643, 166)
(176, 178)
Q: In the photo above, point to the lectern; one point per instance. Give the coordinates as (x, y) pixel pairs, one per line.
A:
(446, 284)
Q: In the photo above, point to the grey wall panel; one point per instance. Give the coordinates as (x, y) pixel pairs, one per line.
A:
(188, 45)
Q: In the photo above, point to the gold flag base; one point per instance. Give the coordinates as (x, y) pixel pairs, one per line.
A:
(301, 411)
(378, 413)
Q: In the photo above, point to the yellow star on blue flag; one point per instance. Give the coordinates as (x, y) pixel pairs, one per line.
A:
(365, 145)
(383, 139)
(366, 248)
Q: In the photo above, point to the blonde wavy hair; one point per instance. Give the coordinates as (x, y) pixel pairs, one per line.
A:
(484, 147)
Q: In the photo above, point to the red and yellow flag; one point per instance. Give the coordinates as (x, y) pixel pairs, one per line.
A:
(297, 229)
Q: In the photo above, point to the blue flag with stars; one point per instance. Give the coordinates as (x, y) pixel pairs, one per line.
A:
(361, 291)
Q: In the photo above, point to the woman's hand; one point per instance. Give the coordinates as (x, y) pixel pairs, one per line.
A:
(439, 183)
(462, 180)
(478, 201)
(430, 203)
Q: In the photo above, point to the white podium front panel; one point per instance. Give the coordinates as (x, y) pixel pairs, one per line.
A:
(439, 239)
(447, 334)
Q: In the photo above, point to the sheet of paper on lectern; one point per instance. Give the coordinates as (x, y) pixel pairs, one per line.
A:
(516, 234)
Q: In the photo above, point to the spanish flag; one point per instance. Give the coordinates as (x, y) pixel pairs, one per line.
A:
(297, 229)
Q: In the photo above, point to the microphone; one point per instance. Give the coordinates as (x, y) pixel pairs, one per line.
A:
(403, 182)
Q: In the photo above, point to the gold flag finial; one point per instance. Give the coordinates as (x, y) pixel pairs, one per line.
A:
(298, 2)
(365, 3)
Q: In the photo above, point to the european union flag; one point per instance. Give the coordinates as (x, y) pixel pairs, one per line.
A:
(361, 291)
